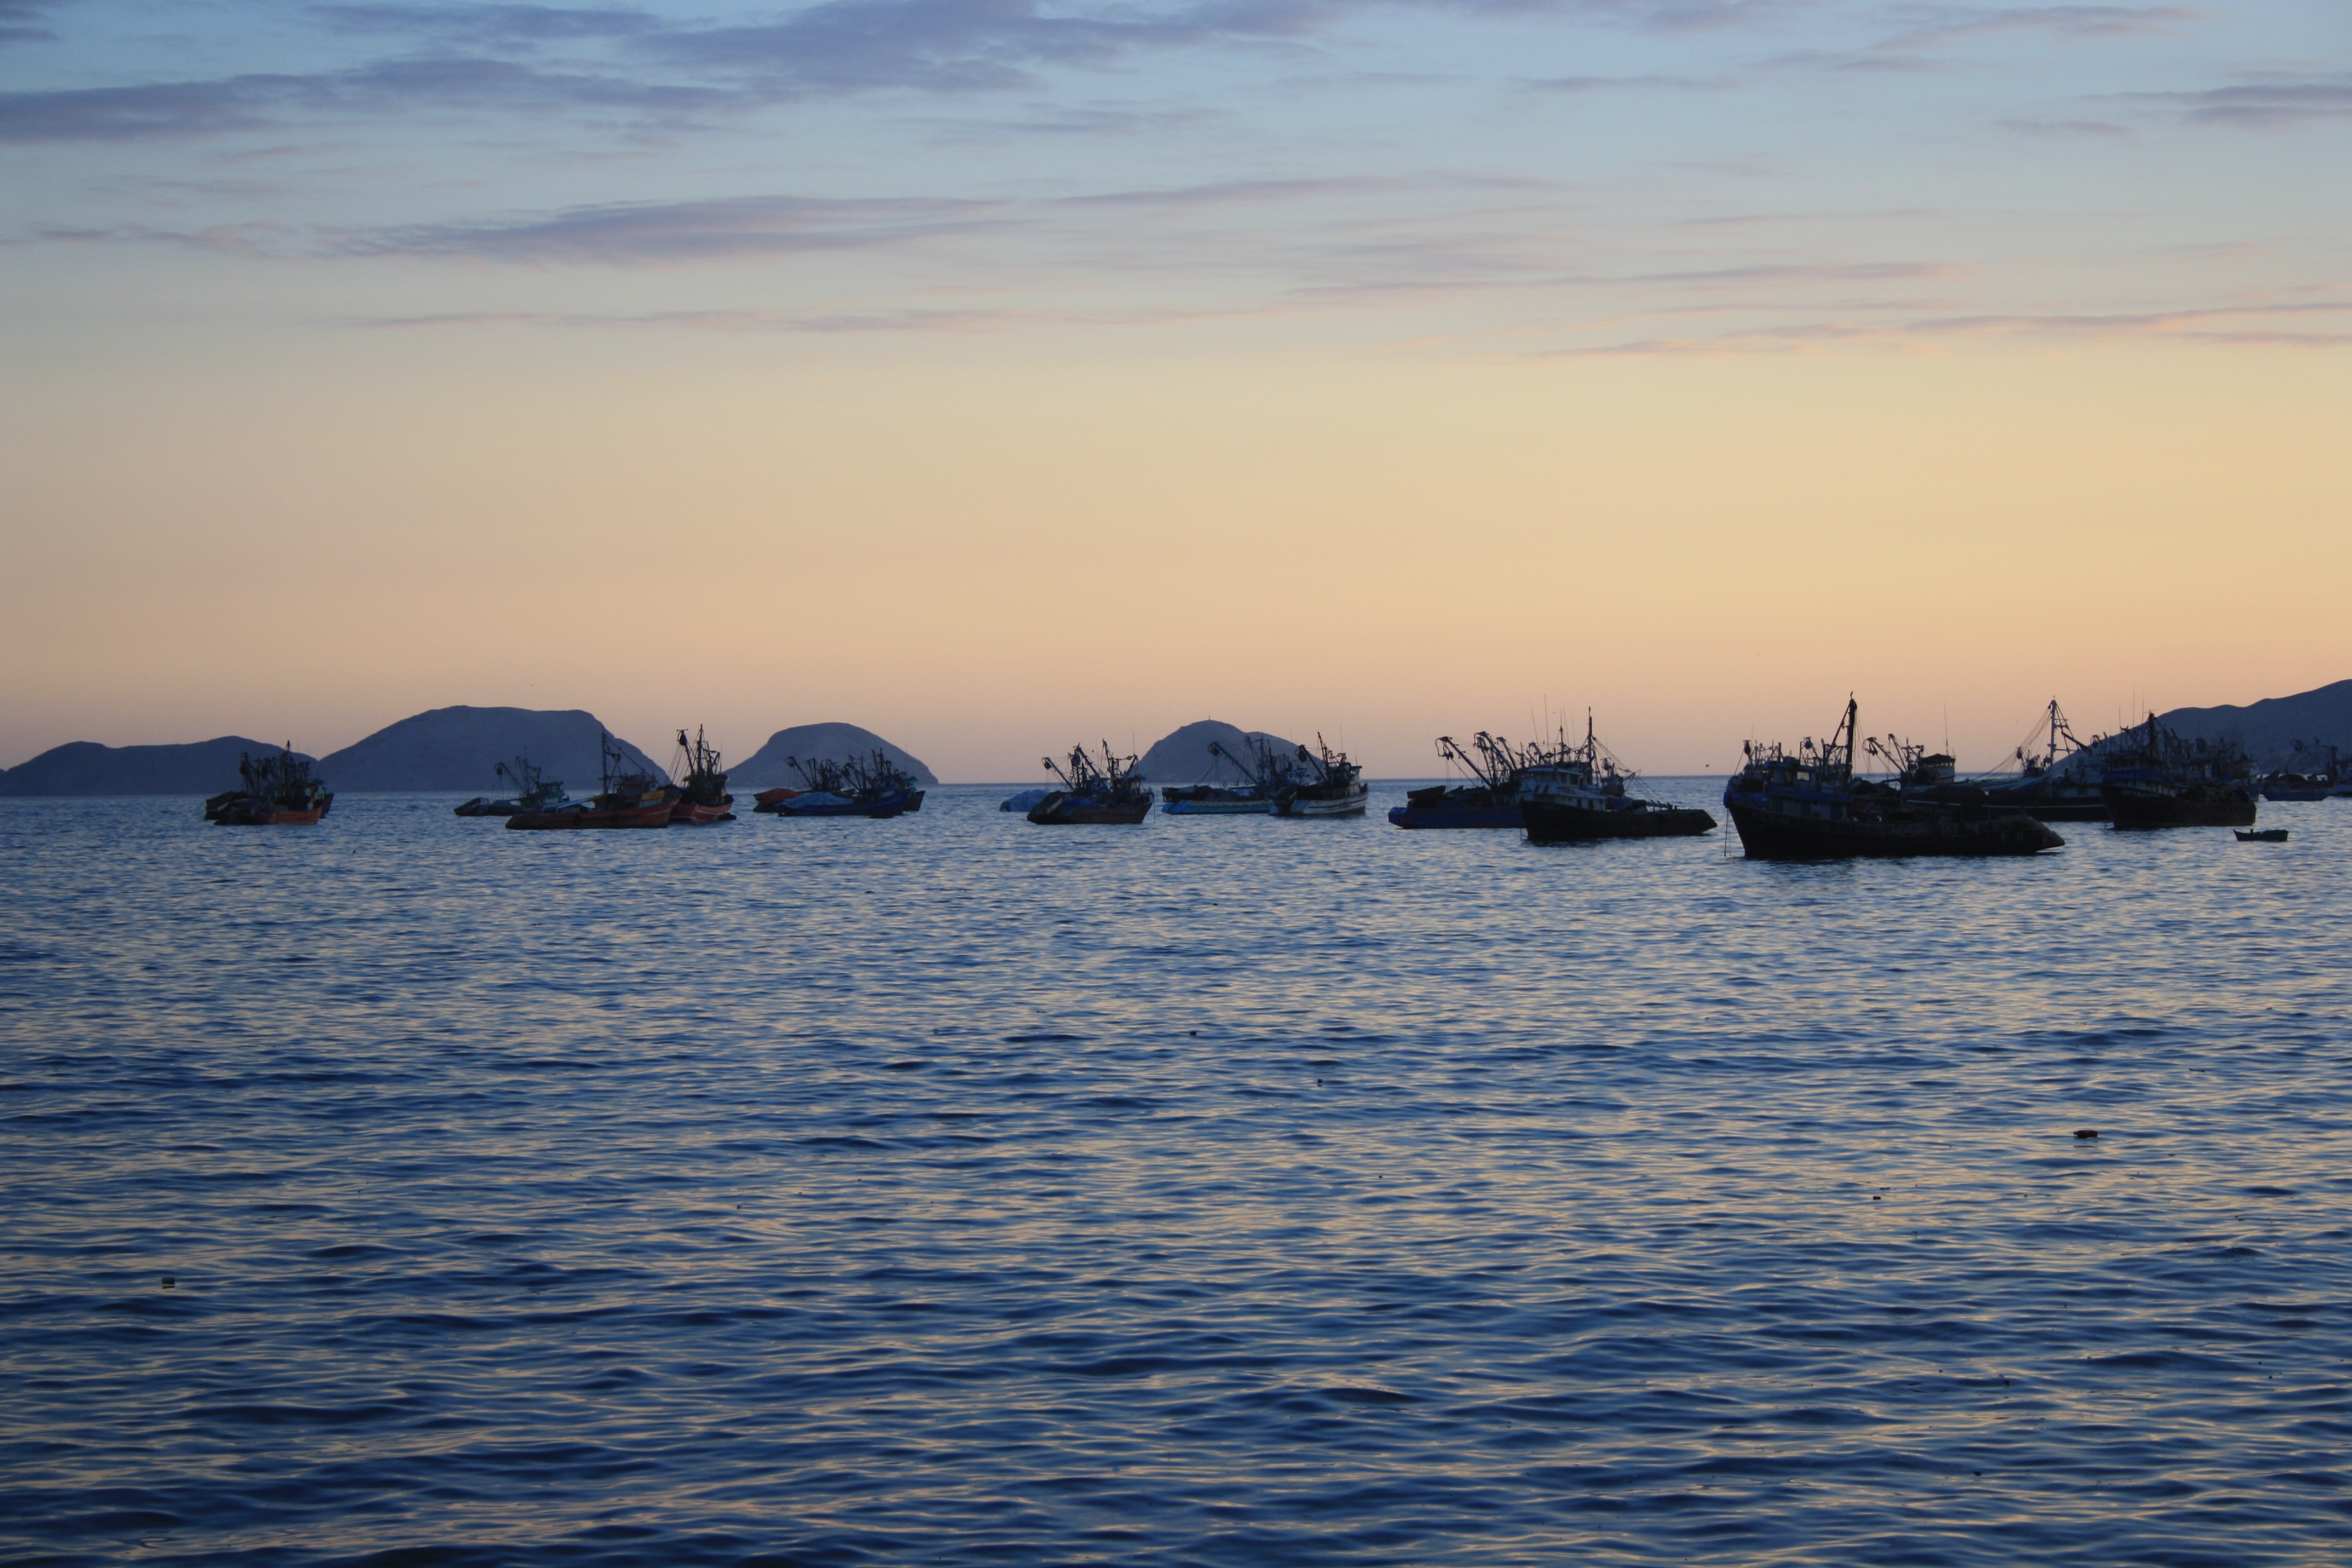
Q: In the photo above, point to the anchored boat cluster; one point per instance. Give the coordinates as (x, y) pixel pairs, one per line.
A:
(1807, 803)
(1804, 804)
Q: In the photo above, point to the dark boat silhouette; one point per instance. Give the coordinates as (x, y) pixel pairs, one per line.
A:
(1249, 792)
(1580, 792)
(2157, 778)
(854, 787)
(1808, 806)
(2060, 784)
(703, 797)
(629, 797)
(1109, 794)
(1490, 800)
(2295, 784)
(533, 791)
(274, 792)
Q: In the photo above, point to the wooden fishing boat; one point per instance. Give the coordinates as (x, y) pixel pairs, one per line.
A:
(275, 792)
(630, 797)
(1093, 796)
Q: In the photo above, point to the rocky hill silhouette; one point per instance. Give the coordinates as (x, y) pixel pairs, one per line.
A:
(85, 768)
(458, 749)
(1182, 756)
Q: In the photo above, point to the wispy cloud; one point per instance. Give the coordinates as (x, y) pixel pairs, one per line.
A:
(527, 59)
(655, 233)
(2265, 104)
(23, 22)
(1938, 27)
(2303, 324)
(180, 109)
(489, 23)
(2069, 129)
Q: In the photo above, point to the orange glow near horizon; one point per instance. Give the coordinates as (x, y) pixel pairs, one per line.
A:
(984, 560)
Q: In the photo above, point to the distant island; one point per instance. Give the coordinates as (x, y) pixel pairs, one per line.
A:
(85, 767)
(832, 741)
(446, 749)
(2269, 729)
(1182, 756)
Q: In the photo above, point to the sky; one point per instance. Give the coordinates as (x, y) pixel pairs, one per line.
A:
(998, 375)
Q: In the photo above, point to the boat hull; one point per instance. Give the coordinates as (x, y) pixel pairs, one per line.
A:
(1214, 808)
(1060, 810)
(701, 814)
(1350, 802)
(654, 816)
(267, 814)
(2144, 807)
(1439, 816)
(1770, 834)
(894, 806)
(2076, 804)
(270, 816)
(2288, 792)
(1555, 822)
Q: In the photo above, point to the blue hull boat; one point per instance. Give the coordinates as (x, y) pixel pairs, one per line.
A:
(1451, 815)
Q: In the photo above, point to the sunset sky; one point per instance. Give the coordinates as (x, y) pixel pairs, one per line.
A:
(996, 373)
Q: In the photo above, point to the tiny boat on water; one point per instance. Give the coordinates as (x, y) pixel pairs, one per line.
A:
(1577, 793)
(1323, 782)
(2156, 778)
(630, 797)
(703, 797)
(275, 792)
(1808, 806)
(1108, 794)
(532, 792)
(2262, 834)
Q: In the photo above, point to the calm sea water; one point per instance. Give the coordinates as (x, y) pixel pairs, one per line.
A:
(1221, 1191)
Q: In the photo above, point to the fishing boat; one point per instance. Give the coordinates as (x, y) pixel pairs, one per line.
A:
(1491, 798)
(2059, 784)
(629, 797)
(1809, 806)
(2295, 784)
(2262, 834)
(852, 786)
(703, 797)
(1576, 793)
(1322, 782)
(274, 792)
(1090, 795)
(1249, 792)
(2156, 778)
(532, 792)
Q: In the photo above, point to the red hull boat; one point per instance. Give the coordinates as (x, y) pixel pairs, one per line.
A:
(630, 799)
(703, 797)
(277, 792)
(273, 816)
(583, 814)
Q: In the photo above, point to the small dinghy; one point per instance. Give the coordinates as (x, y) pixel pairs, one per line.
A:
(2262, 834)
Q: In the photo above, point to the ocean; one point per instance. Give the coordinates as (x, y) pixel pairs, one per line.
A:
(1220, 1191)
